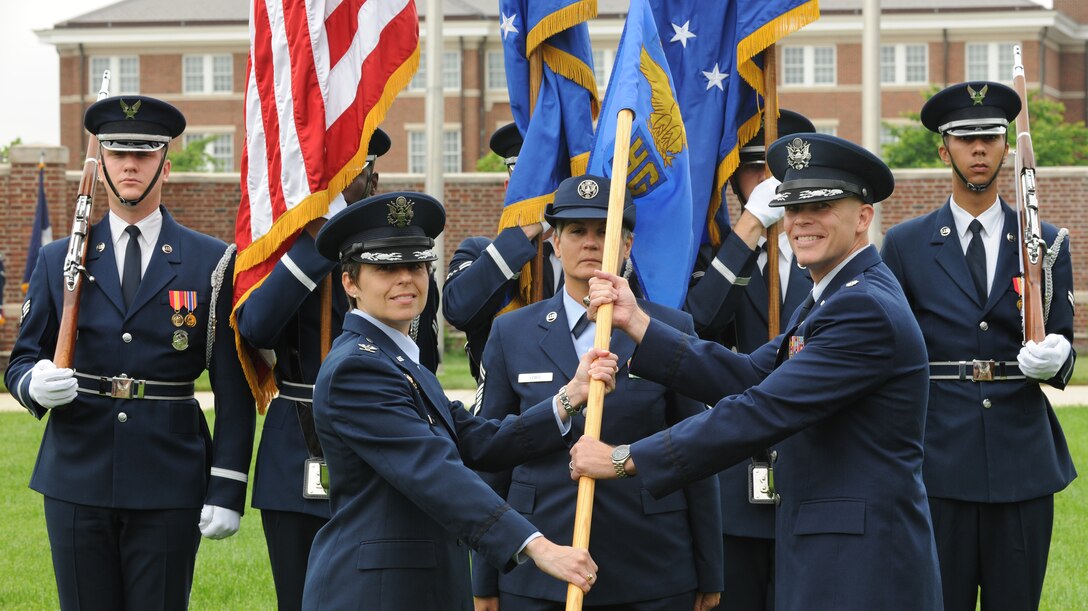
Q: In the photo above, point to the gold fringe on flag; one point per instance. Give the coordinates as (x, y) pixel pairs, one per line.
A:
(725, 169)
(313, 206)
(566, 17)
(574, 69)
(771, 32)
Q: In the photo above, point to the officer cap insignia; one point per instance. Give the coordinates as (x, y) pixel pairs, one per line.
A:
(977, 96)
(797, 154)
(852, 283)
(166, 248)
(588, 189)
(551, 317)
(368, 347)
(400, 212)
(1010, 237)
(130, 111)
(100, 246)
(945, 231)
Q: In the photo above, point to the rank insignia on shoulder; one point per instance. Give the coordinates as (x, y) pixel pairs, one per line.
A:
(26, 310)
(368, 347)
(797, 344)
(852, 283)
(400, 359)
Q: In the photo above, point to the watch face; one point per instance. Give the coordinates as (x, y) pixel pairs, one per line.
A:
(621, 453)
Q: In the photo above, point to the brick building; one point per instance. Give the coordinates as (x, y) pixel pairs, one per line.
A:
(193, 54)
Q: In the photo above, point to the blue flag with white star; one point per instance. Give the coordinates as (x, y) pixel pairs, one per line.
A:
(717, 69)
(557, 123)
(658, 162)
(42, 231)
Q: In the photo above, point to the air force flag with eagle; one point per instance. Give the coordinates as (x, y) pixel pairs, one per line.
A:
(658, 173)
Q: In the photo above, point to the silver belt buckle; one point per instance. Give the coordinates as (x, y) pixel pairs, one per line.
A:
(982, 371)
(124, 387)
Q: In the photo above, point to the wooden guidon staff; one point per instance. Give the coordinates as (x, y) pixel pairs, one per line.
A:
(1032, 246)
(770, 134)
(74, 261)
(583, 515)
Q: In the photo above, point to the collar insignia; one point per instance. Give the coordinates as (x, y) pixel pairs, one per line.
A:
(130, 111)
(368, 347)
(797, 154)
(400, 212)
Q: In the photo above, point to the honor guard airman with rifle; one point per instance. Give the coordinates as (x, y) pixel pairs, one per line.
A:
(130, 474)
(995, 453)
(284, 315)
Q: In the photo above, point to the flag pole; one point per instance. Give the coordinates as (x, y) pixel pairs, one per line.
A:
(536, 265)
(770, 134)
(583, 515)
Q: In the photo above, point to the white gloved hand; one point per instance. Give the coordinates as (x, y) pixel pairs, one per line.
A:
(218, 522)
(759, 202)
(1041, 361)
(51, 387)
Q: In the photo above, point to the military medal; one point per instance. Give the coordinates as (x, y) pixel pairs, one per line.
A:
(175, 302)
(190, 304)
(180, 340)
(797, 344)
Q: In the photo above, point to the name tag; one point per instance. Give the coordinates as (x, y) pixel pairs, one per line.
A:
(529, 378)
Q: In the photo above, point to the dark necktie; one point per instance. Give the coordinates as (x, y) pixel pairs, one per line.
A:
(580, 326)
(130, 279)
(976, 259)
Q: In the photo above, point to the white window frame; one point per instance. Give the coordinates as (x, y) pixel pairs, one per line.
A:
(495, 70)
(808, 66)
(829, 127)
(120, 84)
(222, 161)
(603, 60)
(900, 66)
(451, 72)
(207, 74)
(994, 71)
(451, 150)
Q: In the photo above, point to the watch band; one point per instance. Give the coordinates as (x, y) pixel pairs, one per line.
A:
(618, 463)
(564, 401)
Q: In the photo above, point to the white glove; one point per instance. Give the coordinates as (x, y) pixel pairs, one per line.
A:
(759, 202)
(51, 387)
(218, 522)
(1043, 360)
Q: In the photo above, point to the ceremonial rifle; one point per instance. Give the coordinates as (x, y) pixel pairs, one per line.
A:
(1032, 246)
(74, 261)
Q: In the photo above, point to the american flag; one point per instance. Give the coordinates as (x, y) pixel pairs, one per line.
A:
(321, 76)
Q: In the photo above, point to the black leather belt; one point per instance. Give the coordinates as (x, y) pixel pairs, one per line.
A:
(296, 392)
(124, 387)
(975, 371)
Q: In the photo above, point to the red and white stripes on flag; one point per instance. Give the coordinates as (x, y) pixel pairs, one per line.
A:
(321, 76)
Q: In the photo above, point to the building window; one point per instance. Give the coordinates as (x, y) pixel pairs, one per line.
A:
(808, 65)
(451, 72)
(989, 61)
(602, 66)
(496, 70)
(829, 129)
(219, 147)
(904, 64)
(124, 74)
(451, 151)
(207, 74)
(887, 137)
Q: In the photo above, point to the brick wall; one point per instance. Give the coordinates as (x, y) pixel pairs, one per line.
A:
(473, 203)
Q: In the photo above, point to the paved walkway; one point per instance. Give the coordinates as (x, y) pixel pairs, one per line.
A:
(1073, 395)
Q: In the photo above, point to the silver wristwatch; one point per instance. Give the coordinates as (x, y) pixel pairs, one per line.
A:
(620, 454)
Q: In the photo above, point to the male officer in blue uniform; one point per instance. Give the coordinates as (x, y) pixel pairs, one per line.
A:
(841, 396)
(675, 561)
(127, 466)
(730, 307)
(283, 315)
(995, 453)
(477, 287)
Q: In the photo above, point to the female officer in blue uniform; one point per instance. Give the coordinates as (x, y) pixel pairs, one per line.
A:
(127, 467)
(662, 554)
(405, 508)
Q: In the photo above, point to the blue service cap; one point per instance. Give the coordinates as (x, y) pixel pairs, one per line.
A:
(379, 143)
(789, 122)
(506, 142)
(385, 229)
(133, 123)
(586, 197)
(978, 108)
(818, 167)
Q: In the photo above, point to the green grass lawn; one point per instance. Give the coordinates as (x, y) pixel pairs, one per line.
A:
(234, 573)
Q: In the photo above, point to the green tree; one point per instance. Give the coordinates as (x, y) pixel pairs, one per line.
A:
(5, 150)
(1055, 141)
(194, 157)
(490, 163)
